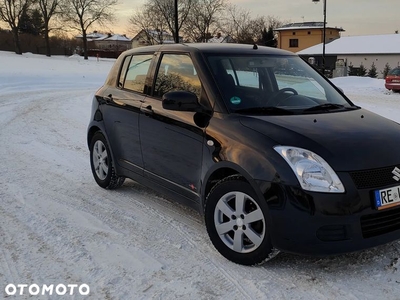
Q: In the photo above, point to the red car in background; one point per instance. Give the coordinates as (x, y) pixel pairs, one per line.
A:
(392, 80)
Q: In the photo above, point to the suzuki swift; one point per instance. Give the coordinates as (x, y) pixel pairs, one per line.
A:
(273, 155)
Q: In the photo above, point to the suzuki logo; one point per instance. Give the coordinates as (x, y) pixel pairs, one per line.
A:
(396, 173)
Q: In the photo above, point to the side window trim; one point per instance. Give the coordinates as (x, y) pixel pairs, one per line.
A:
(123, 71)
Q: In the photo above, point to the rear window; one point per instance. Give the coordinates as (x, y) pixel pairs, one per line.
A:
(395, 71)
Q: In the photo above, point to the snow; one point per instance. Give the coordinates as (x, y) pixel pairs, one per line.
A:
(58, 227)
(363, 44)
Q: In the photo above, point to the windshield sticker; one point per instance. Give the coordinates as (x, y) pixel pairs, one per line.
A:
(236, 100)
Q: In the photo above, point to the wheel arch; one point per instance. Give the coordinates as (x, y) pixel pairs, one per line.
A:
(91, 132)
(220, 171)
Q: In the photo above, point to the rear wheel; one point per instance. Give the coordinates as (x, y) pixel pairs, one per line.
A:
(102, 165)
(236, 222)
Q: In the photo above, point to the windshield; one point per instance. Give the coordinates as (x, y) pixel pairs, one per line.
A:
(250, 84)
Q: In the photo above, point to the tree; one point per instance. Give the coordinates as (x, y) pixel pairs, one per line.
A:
(149, 21)
(11, 12)
(167, 10)
(203, 19)
(244, 29)
(48, 9)
(386, 70)
(31, 22)
(268, 38)
(82, 14)
(372, 71)
(362, 71)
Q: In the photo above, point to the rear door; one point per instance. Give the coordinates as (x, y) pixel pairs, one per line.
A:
(123, 109)
(171, 141)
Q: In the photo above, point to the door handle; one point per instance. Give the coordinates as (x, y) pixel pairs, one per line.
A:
(148, 110)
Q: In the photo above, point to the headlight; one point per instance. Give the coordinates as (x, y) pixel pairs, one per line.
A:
(312, 171)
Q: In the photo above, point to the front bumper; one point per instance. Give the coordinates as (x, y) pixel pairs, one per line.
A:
(327, 224)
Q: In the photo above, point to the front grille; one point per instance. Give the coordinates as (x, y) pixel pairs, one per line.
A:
(380, 223)
(373, 178)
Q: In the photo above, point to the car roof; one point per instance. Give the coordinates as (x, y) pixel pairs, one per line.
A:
(215, 48)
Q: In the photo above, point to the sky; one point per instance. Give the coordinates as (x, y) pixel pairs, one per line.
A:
(356, 17)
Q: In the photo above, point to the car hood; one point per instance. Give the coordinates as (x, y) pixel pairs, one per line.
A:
(348, 141)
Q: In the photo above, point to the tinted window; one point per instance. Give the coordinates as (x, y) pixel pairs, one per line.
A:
(395, 71)
(176, 73)
(137, 71)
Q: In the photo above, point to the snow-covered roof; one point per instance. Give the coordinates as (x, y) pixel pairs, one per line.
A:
(221, 39)
(117, 37)
(306, 25)
(93, 36)
(96, 36)
(365, 44)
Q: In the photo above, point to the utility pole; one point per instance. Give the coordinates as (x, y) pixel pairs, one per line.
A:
(324, 36)
(176, 23)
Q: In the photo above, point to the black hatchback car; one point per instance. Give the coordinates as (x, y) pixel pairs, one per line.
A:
(270, 151)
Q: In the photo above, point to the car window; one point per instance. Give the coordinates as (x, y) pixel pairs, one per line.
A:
(176, 73)
(268, 81)
(290, 75)
(395, 71)
(137, 71)
(122, 74)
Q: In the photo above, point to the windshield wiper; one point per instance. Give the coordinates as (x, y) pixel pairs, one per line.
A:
(269, 110)
(327, 107)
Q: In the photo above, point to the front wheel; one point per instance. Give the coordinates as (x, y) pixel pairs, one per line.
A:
(102, 165)
(236, 222)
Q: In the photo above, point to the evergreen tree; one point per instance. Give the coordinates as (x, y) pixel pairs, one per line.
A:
(31, 22)
(372, 71)
(362, 71)
(270, 38)
(352, 71)
(386, 70)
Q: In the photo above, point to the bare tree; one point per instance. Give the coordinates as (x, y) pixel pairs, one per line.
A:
(11, 12)
(82, 14)
(202, 21)
(149, 21)
(48, 9)
(247, 29)
(166, 9)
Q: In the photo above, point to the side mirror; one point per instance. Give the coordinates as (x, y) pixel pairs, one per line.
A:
(181, 101)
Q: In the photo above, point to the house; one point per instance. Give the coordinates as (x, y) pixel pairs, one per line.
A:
(357, 50)
(115, 42)
(152, 37)
(298, 36)
(107, 42)
(221, 39)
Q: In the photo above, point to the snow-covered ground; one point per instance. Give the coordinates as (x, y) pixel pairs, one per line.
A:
(58, 227)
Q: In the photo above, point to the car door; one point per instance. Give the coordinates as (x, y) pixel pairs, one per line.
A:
(171, 142)
(122, 117)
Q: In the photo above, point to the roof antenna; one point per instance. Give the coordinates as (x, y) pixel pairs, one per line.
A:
(255, 47)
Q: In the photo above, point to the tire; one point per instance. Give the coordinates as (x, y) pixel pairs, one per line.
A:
(239, 234)
(102, 164)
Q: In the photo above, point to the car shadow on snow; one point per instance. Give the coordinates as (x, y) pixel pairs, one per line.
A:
(386, 257)
(382, 258)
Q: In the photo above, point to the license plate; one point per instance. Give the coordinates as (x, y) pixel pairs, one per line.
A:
(387, 198)
(395, 80)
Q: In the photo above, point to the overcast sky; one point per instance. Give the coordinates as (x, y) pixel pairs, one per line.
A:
(356, 17)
